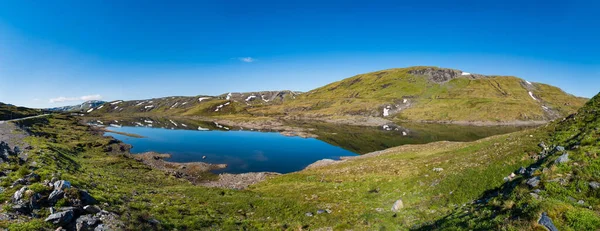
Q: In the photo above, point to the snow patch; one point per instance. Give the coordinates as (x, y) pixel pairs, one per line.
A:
(250, 97)
(139, 124)
(115, 125)
(117, 102)
(228, 96)
(386, 127)
(139, 104)
(533, 97)
(386, 111)
(116, 108)
(148, 121)
(202, 129)
(465, 73)
(404, 133)
(184, 125)
(91, 109)
(203, 98)
(184, 103)
(100, 107)
(175, 105)
(221, 106)
(173, 123)
(149, 106)
(528, 82)
(405, 101)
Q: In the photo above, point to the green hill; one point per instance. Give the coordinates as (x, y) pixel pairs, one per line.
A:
(424, 94)
(8, 112)
(432, 94)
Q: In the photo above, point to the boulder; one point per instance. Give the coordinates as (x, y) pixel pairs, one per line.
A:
(594, 185)
(86, 198)
(564, 158)
(62, 184)
(533, 182)
(19, 194)
(398, 205)
(55, 196)
(87, 223)
(559, 149)
(35, 200)
(91, 209)
(547, 222)
(61, 218)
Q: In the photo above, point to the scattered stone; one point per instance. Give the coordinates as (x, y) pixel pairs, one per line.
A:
(594, 185)
(91, 209)
(533, 182)
(379, 209)
(55, 196)
(559, 149)
(397, 206)
(86, 198)
(581, 202)
(61, 218)
(438, 169)
(328, 210)
(321, 211)
(309, 214)
(535, 196)
(521, 171)
(62, 184)
(87, 223)
(543, 145)
(547, 222)
(19, 194)
(512, 175)
(538, 191)
(564, 158)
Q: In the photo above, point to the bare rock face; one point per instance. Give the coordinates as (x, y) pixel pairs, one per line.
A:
(442, 75)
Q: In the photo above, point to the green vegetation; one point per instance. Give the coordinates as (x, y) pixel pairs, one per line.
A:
(411, 96)
(9, 112)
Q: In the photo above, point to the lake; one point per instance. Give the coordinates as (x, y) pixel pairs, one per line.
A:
(269, 151)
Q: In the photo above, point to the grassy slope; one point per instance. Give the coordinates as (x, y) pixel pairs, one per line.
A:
(139, 193)
(8, 112)
(498, 98)
(353, 190)
(562, 187)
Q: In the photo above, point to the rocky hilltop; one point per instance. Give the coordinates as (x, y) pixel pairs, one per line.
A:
(83, 107)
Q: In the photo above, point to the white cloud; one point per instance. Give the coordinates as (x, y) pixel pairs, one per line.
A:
(84, 98)
(247, 59)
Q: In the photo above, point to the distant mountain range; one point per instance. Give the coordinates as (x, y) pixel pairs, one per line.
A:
(83, 107)
(425, 94)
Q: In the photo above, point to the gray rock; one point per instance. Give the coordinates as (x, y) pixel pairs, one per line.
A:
(55, 196)
(538, 191)
(535, 196)
(543, 145)
(87, 223)
(61, 218)
(321, 211)
(581, 202)
(379, 209)
(92, 209)
(309, 214)
(533, 182)
(22, 208)
(547, 222)
(564, 158)
(397, 206)
(20, 181)
(438, 169)
(559, 149)
(86, 198)
(521, 171)
(32, 177)
(16, 150)
(19, 194)
(62, 184)
(34, 201)
(594, 185)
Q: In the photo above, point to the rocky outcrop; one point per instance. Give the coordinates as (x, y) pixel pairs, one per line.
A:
(442, 75)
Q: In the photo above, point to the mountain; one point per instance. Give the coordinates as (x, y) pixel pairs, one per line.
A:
(228, 103)
(433, 94)
(423, 94)
(8, 112)
(83, 107)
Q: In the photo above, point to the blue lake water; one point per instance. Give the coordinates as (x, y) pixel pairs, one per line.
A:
(242, 151)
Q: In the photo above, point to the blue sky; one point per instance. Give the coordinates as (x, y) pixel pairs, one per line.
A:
(55, 53)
